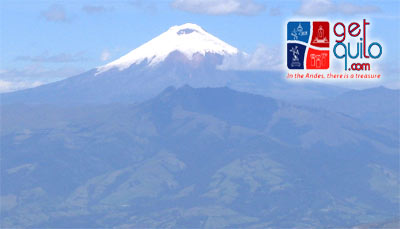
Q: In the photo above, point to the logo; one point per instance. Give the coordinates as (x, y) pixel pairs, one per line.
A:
(318, 45)
(308, 45)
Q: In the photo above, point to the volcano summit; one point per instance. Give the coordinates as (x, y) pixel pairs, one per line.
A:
(188, 39)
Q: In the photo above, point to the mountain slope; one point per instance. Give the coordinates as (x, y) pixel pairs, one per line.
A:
(376, 106)
(207, 157)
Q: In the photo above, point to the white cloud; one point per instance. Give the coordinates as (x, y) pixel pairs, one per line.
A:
(55, 13)
(9, 86)
(275, 11)
(219, 7)
(57, 58)
(315, 7)
(93, 9)
(105, 55)
(263, 58)
(145, 5)
(324, 7)
(350, 9)
(33, 76)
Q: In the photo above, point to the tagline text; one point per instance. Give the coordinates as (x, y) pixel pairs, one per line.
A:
(333, 76)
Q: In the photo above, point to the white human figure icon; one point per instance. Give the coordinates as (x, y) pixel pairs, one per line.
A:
(294, 34)
(295, 53)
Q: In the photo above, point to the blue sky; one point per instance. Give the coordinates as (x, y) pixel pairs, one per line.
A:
(45, 41)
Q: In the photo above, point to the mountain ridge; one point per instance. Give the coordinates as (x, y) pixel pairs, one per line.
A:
(376, 106)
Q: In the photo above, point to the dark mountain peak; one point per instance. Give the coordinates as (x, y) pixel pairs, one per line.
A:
(220, 102)
(168, 91)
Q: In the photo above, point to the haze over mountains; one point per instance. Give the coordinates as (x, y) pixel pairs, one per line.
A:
(162, 138)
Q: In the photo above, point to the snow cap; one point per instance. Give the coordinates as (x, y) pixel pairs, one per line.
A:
(187, 38)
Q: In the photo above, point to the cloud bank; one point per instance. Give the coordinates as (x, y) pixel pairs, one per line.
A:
(263, 58)
(57, 58)
(219, 7)
(32, 76)
(324, 7)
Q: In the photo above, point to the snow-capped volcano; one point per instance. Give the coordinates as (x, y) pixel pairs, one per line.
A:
(183, 55)
(188, 39)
